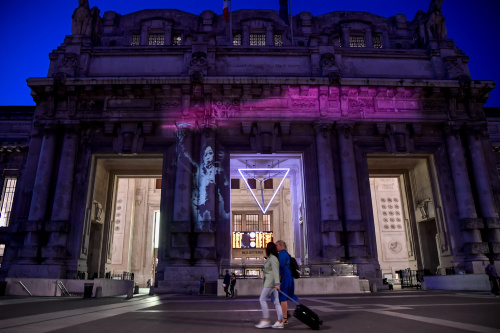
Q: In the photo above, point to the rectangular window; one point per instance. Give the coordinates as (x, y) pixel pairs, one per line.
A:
(252, 222)
(9, 187)
(136, 40)
(357, 41)
(268, 184)
(266, 222)
(177, 39)
(252, 183)
(158, 184)
(257, 39)
(235, 184)
(377, 42)
(237, 222)
(156, 39)
(236, 39)
(278, 40)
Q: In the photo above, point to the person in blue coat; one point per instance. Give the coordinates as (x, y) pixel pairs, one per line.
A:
(287, 283)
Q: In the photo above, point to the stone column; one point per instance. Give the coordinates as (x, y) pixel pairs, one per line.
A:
(144, 35)
(59, 224)
(33, 227)
(345, 37)
(206, 181)
(269, 36)
(168, 36)
(354, 225)
(184, 175)
(474, 248)
(245, 36)
(368, 38)
(485, 194)
(331, 227)
(181, 223)
(385, 40)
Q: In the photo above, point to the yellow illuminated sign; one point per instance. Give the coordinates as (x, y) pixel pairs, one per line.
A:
(251, 240)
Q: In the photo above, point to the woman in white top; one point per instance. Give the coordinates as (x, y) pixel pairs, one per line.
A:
(271, 287)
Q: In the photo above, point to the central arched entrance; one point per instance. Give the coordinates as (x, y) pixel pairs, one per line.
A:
(267, 204)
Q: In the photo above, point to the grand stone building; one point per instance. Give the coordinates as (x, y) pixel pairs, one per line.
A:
(363, 139)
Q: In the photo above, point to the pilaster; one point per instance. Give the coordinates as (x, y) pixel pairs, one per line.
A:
(354, 225)
(331, 227)
(30, 252)
(470, 224)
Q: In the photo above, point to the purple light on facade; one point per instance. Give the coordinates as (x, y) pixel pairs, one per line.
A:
(251, 173)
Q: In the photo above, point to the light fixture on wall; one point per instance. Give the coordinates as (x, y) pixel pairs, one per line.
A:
(424, 208)
(261, 175)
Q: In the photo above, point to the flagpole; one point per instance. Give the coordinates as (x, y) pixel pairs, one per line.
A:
(291, 23)
(231, 22)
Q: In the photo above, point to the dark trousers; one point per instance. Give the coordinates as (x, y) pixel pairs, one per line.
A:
(232, 290)
(494, 285)
(226, 290)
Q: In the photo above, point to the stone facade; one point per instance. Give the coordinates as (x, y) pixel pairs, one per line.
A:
(168, 94)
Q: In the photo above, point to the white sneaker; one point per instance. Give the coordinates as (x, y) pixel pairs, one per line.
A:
(278, 325)
(263, 324)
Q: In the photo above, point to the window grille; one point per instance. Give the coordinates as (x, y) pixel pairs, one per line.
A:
(278, 40)
(9, 187)
(377, 42)
(266, 222)
(177, 39)
(257, 39)
(237, 222)
(357, 41)
(252, 222)
(156, 39)
(252, 183)
(136, 40)
(236, 39)
(235, 184)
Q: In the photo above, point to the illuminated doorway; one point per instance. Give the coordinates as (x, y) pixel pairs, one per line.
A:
(136, 225)
(266, 205)
(404, 212)
(118, 238)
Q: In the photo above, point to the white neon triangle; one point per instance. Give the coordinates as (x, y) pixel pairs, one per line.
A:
(276, 171)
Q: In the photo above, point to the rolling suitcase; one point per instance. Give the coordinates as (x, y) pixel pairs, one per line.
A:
(305, 315)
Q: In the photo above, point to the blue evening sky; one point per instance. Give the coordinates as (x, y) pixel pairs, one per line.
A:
(31, 29)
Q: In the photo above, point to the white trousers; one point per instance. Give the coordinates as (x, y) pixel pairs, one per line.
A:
(266, 292)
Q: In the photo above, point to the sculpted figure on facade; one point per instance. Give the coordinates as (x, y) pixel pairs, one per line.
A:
(96, 25)
(435, 21)
(453, 67)
(82, 20)
(419, 25)
(198, 67)
(329, 68)
(68, 65)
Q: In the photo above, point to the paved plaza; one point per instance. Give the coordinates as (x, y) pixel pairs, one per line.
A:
(398, 311)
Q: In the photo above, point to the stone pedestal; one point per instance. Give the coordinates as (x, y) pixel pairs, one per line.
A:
(186, 279)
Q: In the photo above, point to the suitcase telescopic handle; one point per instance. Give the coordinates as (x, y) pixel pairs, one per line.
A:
(291, 299)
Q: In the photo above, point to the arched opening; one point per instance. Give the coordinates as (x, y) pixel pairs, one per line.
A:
(120, 238)
(405, 215)
(267, 200)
